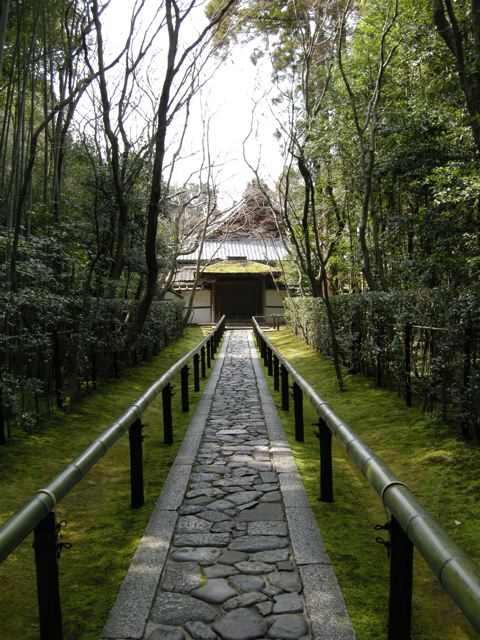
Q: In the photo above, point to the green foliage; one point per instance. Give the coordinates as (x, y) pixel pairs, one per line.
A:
(440, 469)
(421, 212)
(102, 528)
(69, 344)
(371, 334)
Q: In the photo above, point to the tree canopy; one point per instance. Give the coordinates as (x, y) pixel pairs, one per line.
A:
(377, 110)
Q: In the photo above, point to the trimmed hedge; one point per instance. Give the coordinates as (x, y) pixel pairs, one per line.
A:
(424, 344)
(63, 346)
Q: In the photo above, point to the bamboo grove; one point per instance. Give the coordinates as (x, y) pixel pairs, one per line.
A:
(377, 108)
(90, 222)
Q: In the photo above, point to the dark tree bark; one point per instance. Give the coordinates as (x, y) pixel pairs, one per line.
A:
(165, 112)
(456, 39)
(4, 8)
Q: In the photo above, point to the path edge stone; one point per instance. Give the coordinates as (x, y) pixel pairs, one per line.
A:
(324, 602)
(129, 615)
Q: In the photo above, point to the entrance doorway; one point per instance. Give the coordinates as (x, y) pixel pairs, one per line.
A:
(238, 299)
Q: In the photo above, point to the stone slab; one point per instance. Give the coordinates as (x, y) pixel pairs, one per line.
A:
(293, 491)
(274, 528)
(325, 605)
(129, 614)
(175, 486)
(201, 539)
(262, 512)
(251, 544)
(216, 591)
(182, 577)
(307, 543)
(288, 627)
(203, 555)
(177, 609)
(241, 624)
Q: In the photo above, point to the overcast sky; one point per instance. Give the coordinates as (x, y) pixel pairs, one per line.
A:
(229, 100)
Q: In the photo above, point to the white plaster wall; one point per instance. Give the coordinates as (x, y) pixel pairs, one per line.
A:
(274, 301)
(171, 296)
(202, 299)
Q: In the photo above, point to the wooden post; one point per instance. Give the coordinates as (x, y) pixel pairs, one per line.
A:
(136, 464)
(276, 373)
(326, 468)
(401, 581)
(184, 384)
(284, 379)
(48, 584)
(167, 414)
(265, 354)
(203, 362)
(196, 372)
(270, 361)
(298, 411)
(263, 350)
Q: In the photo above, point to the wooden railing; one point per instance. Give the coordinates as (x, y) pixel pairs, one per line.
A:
(38, 514)
(410, 523)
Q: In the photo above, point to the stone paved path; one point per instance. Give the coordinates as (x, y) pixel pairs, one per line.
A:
(229, 572)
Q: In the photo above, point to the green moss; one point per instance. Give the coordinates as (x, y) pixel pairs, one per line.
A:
(440, 468)
(237, 266)
(102, 528)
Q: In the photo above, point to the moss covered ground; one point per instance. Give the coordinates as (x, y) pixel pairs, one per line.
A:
(439, 467)
(101, 527)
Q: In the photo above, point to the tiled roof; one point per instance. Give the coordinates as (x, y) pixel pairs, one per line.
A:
(185, 275)
(257, 250)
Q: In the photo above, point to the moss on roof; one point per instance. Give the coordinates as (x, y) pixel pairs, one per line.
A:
(238, 266)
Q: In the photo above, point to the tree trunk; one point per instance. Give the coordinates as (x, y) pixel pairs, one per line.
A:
(455, 37)
(333, 333)
(4, 8)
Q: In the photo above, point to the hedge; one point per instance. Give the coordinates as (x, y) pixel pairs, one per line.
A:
(54, 349)
(423, 344)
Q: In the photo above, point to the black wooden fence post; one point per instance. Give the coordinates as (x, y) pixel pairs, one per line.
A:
(270, 361)
(326, 468)
(184, 384)
(196, 372)
(298, 411)
(202, 362)
(284, 379)
(263, 350)
(276, 373)
(136, 464)
(401, 581)
(45, 539)
(167, 414)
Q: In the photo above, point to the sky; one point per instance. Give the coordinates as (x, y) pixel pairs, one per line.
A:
(237, 90)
